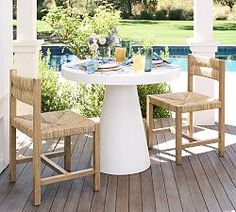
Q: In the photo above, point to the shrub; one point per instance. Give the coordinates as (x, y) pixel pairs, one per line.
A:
(55, 95)
(144, 11)
(144, 90)
(175, 14)
(187, 14)
(74, 29)
(177, 9)
(221, 12)
(161, 14)
(145, 15)
(232, 15)
(90, 99)
(137, 9)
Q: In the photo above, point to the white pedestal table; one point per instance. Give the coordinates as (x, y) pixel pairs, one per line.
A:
(123, 140)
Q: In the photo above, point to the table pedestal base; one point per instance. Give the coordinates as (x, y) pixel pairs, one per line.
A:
(123, 141)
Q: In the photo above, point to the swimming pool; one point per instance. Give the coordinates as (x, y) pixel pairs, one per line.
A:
(178, 55)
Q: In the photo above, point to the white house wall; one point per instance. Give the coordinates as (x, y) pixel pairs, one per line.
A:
(6, 57)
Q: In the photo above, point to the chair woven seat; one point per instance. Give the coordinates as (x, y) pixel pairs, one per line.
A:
(55, 124)
(188, 101)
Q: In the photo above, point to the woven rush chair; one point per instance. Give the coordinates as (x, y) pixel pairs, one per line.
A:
(189, 102)
(44, 126)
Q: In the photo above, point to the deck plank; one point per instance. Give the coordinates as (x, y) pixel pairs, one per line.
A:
(64, 187)
(147, 191)
(157, 173)
(197, 199)
(169, 178)
(135, 196)
(79, 186)
(122, 194)
(225, 169)
(204, 184)
(216, 185)
(99, 198)
(110, 204)
(5, 186)
(20, 192)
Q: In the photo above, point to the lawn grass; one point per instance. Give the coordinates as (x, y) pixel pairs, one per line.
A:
(164, 32)
(173, 32)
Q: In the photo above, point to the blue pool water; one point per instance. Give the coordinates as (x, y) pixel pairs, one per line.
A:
(178, 55)
(230, 64)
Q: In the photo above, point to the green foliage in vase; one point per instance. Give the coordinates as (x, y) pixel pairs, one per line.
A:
(74, 29)
(165, 53)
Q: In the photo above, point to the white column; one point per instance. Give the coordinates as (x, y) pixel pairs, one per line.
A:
(203, 20)
(202, 44)
(26, 20)
(6, 58)
(26, 47)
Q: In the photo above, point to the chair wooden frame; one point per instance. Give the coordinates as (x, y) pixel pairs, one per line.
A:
(28, 90)
(197, 66)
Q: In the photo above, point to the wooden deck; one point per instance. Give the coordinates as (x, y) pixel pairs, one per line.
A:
(205, 182)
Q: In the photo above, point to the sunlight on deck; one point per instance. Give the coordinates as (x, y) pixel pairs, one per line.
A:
(166, 150)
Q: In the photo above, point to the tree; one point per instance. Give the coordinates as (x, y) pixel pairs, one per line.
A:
(229, 3)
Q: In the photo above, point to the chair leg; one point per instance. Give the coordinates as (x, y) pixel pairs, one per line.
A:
(178, 139)
(37, 171)
(221, 145)
(149, 124)
(12, 154)
(96, 159)
(67, 149)
(190, 122)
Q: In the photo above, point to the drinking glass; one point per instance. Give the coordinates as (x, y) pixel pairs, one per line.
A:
(120, 54)
(148, 62)
(138, 63)
(127, 45)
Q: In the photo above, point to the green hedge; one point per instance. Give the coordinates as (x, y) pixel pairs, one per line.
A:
(90, 99)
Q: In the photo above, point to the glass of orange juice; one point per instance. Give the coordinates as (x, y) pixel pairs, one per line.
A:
(138, 63)
(120, 54)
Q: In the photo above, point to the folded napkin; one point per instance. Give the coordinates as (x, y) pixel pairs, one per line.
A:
(90, 66)
(128, 61)
(156, 56)
(103, 60)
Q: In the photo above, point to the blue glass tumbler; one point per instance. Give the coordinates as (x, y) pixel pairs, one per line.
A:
(148, 61)
(127, 45)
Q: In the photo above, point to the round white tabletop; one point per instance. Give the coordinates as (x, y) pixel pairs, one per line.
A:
(125, 77)
(123, 141)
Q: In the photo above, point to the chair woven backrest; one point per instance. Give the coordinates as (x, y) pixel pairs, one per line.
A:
(22, 88)
(206, 67)
(28, 91)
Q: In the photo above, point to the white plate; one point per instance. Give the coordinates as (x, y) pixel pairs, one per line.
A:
(108, 65)
(154, 62)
